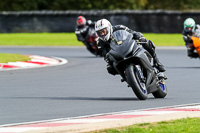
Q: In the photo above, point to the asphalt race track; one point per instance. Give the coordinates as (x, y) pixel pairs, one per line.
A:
(83, 86)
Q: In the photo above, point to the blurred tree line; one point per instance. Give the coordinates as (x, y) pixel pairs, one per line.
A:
(29, 5)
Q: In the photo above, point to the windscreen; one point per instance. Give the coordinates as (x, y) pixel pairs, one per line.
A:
(119, 36)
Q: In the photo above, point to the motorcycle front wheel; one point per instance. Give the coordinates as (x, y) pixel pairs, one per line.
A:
(133, 79)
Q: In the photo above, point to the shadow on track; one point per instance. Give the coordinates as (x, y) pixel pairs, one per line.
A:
(181, 67)
(83, 57)
(83, 98)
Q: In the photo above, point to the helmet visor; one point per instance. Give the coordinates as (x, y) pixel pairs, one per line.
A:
(80, 24)
(102, 33)
(189, 28)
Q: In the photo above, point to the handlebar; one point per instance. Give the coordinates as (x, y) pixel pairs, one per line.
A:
(142, 42)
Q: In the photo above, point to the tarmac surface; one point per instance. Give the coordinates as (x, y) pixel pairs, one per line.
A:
(69, 90)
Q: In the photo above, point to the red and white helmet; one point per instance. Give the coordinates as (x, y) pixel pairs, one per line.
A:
(81, 21)
(104, 29)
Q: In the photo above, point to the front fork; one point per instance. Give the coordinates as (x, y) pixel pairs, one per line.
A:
(161, 77)
(140, 73)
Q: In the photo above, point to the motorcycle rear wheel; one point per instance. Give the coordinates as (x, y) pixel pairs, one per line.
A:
(138, 87)
(162, 91)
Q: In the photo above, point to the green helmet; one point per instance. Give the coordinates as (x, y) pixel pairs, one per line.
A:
(189, 25)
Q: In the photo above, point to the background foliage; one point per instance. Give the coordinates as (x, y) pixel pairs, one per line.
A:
(28, 5)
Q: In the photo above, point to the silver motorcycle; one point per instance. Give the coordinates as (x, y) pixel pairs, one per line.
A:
(134, 64)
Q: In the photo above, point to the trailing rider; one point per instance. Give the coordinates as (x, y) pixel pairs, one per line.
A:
(190, 29)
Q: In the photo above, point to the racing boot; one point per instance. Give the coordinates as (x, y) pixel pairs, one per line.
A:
(150, 47)
(157, 64)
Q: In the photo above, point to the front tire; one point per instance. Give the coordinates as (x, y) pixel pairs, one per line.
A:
(137, 85)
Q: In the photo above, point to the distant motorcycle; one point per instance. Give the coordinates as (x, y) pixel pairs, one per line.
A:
(196, 43)
(134, 65)
(91, 39)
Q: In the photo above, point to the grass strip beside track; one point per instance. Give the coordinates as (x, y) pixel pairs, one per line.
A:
(5, 58)
(166, 39)
(69, 39)
(39, 39)
(189, 125)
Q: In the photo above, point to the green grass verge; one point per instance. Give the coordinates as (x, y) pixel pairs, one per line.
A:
(5, 58)
(40, 39)
(166, 39)
(69, 39)
(189, 125)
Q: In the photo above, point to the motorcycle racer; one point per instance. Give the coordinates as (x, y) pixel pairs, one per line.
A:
(104, 30)
(190, 29)
(82, 29)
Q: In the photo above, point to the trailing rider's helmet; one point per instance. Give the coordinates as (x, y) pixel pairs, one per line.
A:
(189, 25)
(104, 29)
(81, 22)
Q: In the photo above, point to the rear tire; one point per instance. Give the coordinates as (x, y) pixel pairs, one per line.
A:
(136, 84)
(162, 91)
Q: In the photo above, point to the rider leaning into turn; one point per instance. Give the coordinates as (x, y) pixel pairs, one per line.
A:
(190, 29)
(82, 28)
(105, 30)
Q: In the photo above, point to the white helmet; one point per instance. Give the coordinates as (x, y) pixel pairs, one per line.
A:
(104, 29)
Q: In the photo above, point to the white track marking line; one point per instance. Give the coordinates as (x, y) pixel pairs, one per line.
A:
(192, 105)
